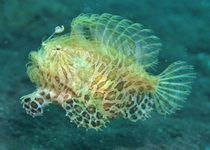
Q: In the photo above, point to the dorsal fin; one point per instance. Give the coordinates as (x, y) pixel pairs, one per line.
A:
(129, 38)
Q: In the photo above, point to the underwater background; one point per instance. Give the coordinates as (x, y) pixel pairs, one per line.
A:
(184, 29)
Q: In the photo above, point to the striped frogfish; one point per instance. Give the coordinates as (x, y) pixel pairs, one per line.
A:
(101, 71)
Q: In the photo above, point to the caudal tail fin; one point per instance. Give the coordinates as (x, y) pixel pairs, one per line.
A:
(174, 87)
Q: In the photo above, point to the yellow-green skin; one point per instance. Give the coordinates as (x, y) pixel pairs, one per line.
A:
(96, 81)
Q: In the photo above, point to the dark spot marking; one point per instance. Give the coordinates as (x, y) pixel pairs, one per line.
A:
(57, 79)
(69, 101)
(40, 100)
(48, 96)
(78, 108)
(138, 83)
(134, 117)
(93, 123)
(140, 112)
(149, 104)
(68, 108)
(149, 87)
(26, 106)
(120, 86)
(61, 85)
(98, 123)
(132, 91)
(145, 100)
(27, 100)
(79, 118)
(34, 104)
(132, 110)
(39, 109)
(107, 105)
(42, 93)
(75, 100)
(33, 110)
(70, 114)
(119, 105)
(85, 114)
(138, 99)
(143, 106)
(112, 111)
(87, 97)
(150, 95)
(99, 115)
(141, 88)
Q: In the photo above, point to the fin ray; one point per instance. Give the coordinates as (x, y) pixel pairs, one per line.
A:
(129, 38)
(174, 86)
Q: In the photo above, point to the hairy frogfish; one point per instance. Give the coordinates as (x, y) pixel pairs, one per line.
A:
(100, 71)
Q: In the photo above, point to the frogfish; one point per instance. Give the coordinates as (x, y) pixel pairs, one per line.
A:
(101, 71)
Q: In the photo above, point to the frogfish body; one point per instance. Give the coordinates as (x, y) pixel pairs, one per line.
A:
(100, 72)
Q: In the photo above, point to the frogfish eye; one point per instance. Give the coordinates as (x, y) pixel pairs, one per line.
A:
(58, 47)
